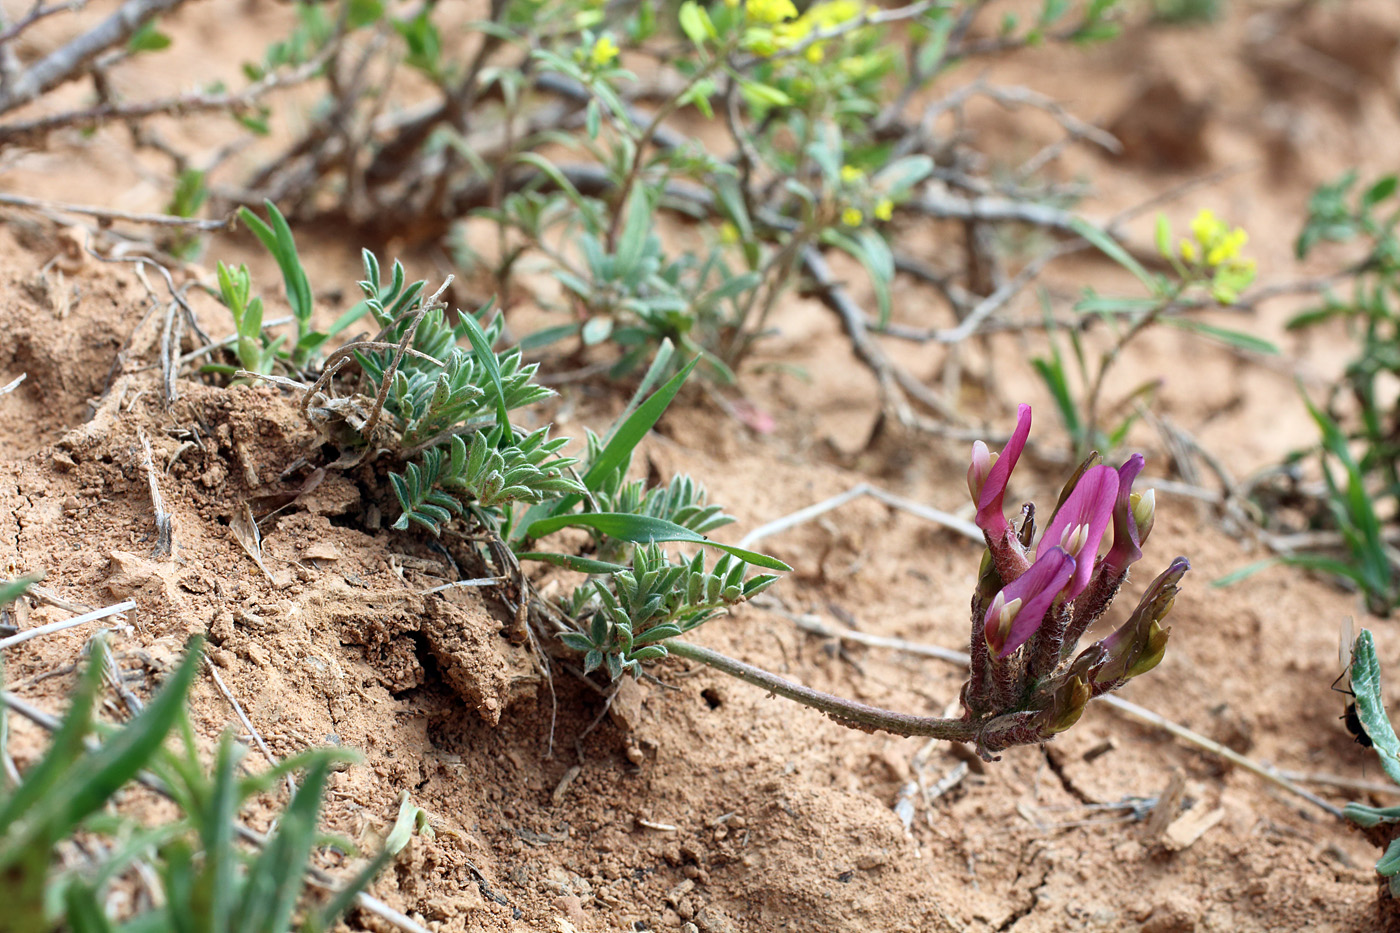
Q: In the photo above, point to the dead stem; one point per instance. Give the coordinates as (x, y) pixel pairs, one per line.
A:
(125, 606)
(165, 535)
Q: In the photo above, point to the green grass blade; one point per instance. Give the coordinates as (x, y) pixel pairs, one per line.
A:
(1225, 335)
(571, 562)
(117, 761)
(84, 914)
(12, 590)
(67, 747)
(487, 357)
(1248, 570)
(659, 364)
(277, 877)
(1113, 250)
(630, 432)
(643, 529)
(410, 818)
(216, 888)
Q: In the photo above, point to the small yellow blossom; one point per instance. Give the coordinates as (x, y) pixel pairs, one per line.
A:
(833, 13)
(884, 209)
(850, 174)
(728, 233)
(604, 51)
(770, 11)
(1207, 226)
(852, 217)
(1214, 253)
(1214, 240)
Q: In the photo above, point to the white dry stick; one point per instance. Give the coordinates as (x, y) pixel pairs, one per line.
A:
(165, 536)
(938, 517)
(68, 60)
(457, 584)
(1340, 781)
(104, 213)
(10, 387)
(125, 606)
(243, 718)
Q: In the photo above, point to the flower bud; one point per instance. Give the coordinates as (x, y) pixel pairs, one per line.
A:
(982, 460)
(1000, 615)
(1144, 512)
(1154, 647)
(1066, 706)
(992, 488)
(1139, 644)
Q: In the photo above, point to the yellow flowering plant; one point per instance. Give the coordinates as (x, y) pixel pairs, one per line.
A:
(1207, 268)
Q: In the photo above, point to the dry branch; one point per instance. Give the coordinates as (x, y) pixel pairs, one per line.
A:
(68, 61)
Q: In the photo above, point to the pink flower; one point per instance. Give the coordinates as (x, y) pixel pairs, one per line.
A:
(1020, 607)
(1079, 525)
(1127, 545)
(988, 476)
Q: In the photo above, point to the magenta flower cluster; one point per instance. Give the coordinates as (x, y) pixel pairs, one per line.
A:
(1034, 603)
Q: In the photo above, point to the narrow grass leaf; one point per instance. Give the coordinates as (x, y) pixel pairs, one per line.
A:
(1225, 335)
(67, 746)
(644, 529)
(1113, 250)
(487, 357)
(276, 879)
(630, 432)
(571, 562)
(84, 913)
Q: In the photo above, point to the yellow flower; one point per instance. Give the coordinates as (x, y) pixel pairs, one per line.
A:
(1207, 227)
(1219, 244)
(852, 217)
(833, 13)
(728, 233)
(850, 174)
(884, 209)
(770, 11)
(604, 51)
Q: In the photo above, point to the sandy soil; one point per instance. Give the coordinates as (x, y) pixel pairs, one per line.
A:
(703, 801)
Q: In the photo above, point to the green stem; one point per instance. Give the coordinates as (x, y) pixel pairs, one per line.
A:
(847, 712)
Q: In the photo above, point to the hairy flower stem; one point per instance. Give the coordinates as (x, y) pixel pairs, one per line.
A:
(847, 712)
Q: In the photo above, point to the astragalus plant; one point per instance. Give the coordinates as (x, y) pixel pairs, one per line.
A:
(1032, 604)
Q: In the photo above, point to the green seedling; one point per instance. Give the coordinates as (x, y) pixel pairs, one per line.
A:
(212, 882)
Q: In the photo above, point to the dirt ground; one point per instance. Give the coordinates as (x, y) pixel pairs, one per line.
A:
(701, 800)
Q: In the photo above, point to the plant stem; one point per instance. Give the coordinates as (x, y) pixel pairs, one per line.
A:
(847, 712)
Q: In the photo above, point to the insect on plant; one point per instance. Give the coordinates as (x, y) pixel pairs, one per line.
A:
(1345, 641)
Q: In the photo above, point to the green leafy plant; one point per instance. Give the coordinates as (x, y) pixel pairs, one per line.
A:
(1208, 263)
(1359, 420)
(1381, 823)
(211, 883)
(256, 350)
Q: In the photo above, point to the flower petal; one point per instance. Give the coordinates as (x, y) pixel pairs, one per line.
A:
(1032, 594)
(990, 517)
(1127, 544)
(1080, 524)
